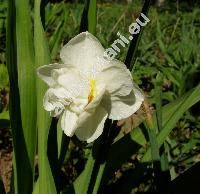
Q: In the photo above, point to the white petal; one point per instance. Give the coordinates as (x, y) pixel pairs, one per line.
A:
(121, 107)
(61, 92)
(78, 105)
(97, 99)
(55, 100)
(90, 125)
(82, 51)
(69, 122)
(74, 82)
(117, 78)
(44, 72)
(48, 105)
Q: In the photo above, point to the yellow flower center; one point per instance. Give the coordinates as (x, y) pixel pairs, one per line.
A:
(92, 90)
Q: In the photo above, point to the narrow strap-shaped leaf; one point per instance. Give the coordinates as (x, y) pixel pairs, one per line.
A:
(92, 16)
(36, 187)
(56, 39)
(81, 184)
(26, 75)
(150, 126)
(42, 57)
(90, 179)
(63, 143)
(99, 178)
(131, 54)
(158, 99)
(101, 154)
(162, 174)
(89, 17)
(23, 138)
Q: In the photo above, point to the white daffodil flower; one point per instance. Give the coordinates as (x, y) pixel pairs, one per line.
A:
(88, 88)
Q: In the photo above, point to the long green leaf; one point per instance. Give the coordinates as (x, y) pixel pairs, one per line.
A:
(92, 16)
(20, 61)
(131, 54)
(89, 17)
(26, 74)
(42, 57)
(82, 182)
(90, 179)
(56, 39)
(158, 100)
(99, 178)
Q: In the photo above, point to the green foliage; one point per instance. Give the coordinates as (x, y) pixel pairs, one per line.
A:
(42, 56)
(19, 53)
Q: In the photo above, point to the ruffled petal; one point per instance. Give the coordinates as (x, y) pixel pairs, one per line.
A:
(97, 99)
(82, 51)
(74, 82)
(121, 107)
(90, 125)
(69, 122)
(91, 120)
(45, 72)
(55, 100)
(117, 78)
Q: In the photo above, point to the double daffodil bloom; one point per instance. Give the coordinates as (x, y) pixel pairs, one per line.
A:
(88, 88)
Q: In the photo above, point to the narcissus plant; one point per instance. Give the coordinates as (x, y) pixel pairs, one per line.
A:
(88, 88)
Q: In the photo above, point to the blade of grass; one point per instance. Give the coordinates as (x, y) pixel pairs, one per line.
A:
(42, 57)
